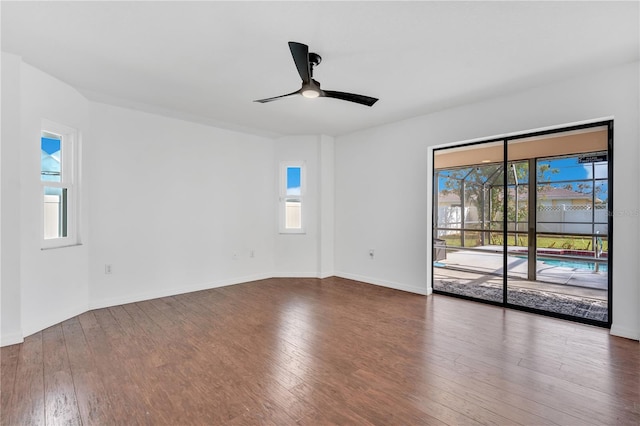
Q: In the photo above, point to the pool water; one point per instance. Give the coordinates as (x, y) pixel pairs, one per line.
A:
(574, 264)
(590, 266)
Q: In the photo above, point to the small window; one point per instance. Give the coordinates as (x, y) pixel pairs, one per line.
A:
(292, 177)
(50, 157)
(58, 146)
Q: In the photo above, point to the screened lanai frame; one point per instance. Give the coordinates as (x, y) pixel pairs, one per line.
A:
(468, 175)
(486, 183)
(481, 187)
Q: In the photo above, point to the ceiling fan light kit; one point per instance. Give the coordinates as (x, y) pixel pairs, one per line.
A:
(305, 63)
(310, 92)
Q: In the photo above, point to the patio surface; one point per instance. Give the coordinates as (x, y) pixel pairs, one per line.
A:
(573, 301)
(491, 263)
(571, 291)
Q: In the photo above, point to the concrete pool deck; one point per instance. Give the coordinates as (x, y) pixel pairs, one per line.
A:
(491, 263)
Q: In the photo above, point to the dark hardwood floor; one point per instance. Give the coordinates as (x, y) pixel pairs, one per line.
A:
(309, 352)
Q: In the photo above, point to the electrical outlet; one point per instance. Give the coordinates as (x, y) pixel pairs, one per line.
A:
(108, 269)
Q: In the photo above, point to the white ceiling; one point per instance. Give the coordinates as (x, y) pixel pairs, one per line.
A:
(207, 61)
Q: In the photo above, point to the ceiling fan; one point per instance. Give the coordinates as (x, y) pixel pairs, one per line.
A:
(305, 63)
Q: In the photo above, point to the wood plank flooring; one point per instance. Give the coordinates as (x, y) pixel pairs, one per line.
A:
(308, 352)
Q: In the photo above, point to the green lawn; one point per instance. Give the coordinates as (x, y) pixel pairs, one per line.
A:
(565, 242)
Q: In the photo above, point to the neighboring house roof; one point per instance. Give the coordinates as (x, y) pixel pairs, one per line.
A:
(555, 193)
(448, 197)
(564, 193)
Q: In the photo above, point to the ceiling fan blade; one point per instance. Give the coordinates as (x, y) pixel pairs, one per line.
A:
(262, 101)
(351, 97)
(300, 53)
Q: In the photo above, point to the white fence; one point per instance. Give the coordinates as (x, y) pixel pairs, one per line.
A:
(565, 218)
(561, 219)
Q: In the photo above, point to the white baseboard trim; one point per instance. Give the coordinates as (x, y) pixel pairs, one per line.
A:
(625, 332)
(139, 297)
(383, 283)
(11, 339)
(296, 275)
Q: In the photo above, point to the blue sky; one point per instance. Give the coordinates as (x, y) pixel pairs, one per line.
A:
(568, 169)
(50, 145)
(293, 180)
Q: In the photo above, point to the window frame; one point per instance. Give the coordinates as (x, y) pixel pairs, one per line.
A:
(69, 179)
(283, 197)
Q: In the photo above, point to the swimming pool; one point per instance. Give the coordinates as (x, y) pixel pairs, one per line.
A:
(589, 266)
(574, 264)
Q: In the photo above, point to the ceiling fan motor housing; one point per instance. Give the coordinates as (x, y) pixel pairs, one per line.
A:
(314, 59)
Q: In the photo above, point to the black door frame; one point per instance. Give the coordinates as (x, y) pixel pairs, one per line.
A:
(505, 160)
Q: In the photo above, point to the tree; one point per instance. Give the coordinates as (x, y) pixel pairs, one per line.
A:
(481, 188)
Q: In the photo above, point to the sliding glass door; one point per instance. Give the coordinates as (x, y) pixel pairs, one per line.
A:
(468, 235)
(524, 222)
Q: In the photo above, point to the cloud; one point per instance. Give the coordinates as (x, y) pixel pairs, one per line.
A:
(293, 190)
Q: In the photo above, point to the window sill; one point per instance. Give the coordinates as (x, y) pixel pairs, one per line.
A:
(61, 246)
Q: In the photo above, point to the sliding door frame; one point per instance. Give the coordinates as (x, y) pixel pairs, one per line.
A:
(531, 231)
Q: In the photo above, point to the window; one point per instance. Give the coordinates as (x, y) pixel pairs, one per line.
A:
(58, 147)
(292, 183)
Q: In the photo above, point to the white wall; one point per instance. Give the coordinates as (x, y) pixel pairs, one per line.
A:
(309, 254)
(10, 328)
(326, 179)
(380, 171)
(53, 283)
(381, 205)
(175, 206)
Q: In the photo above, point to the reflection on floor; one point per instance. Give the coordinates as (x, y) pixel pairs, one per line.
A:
(571, 291)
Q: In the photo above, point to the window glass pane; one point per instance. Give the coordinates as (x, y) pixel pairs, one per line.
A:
(601, 228)
(449, 207)
(559, 169)
(472, 239)
(495, 207)
(293, 180)
(50, 159)
(473, 202)
(517, 239)
(558, 227)
(451, 238)
(601, 214)
(601, 170)
(55, 212)
(293, 214)
(573, 196)
(518, 173)
(602, 193)
(568, 242)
